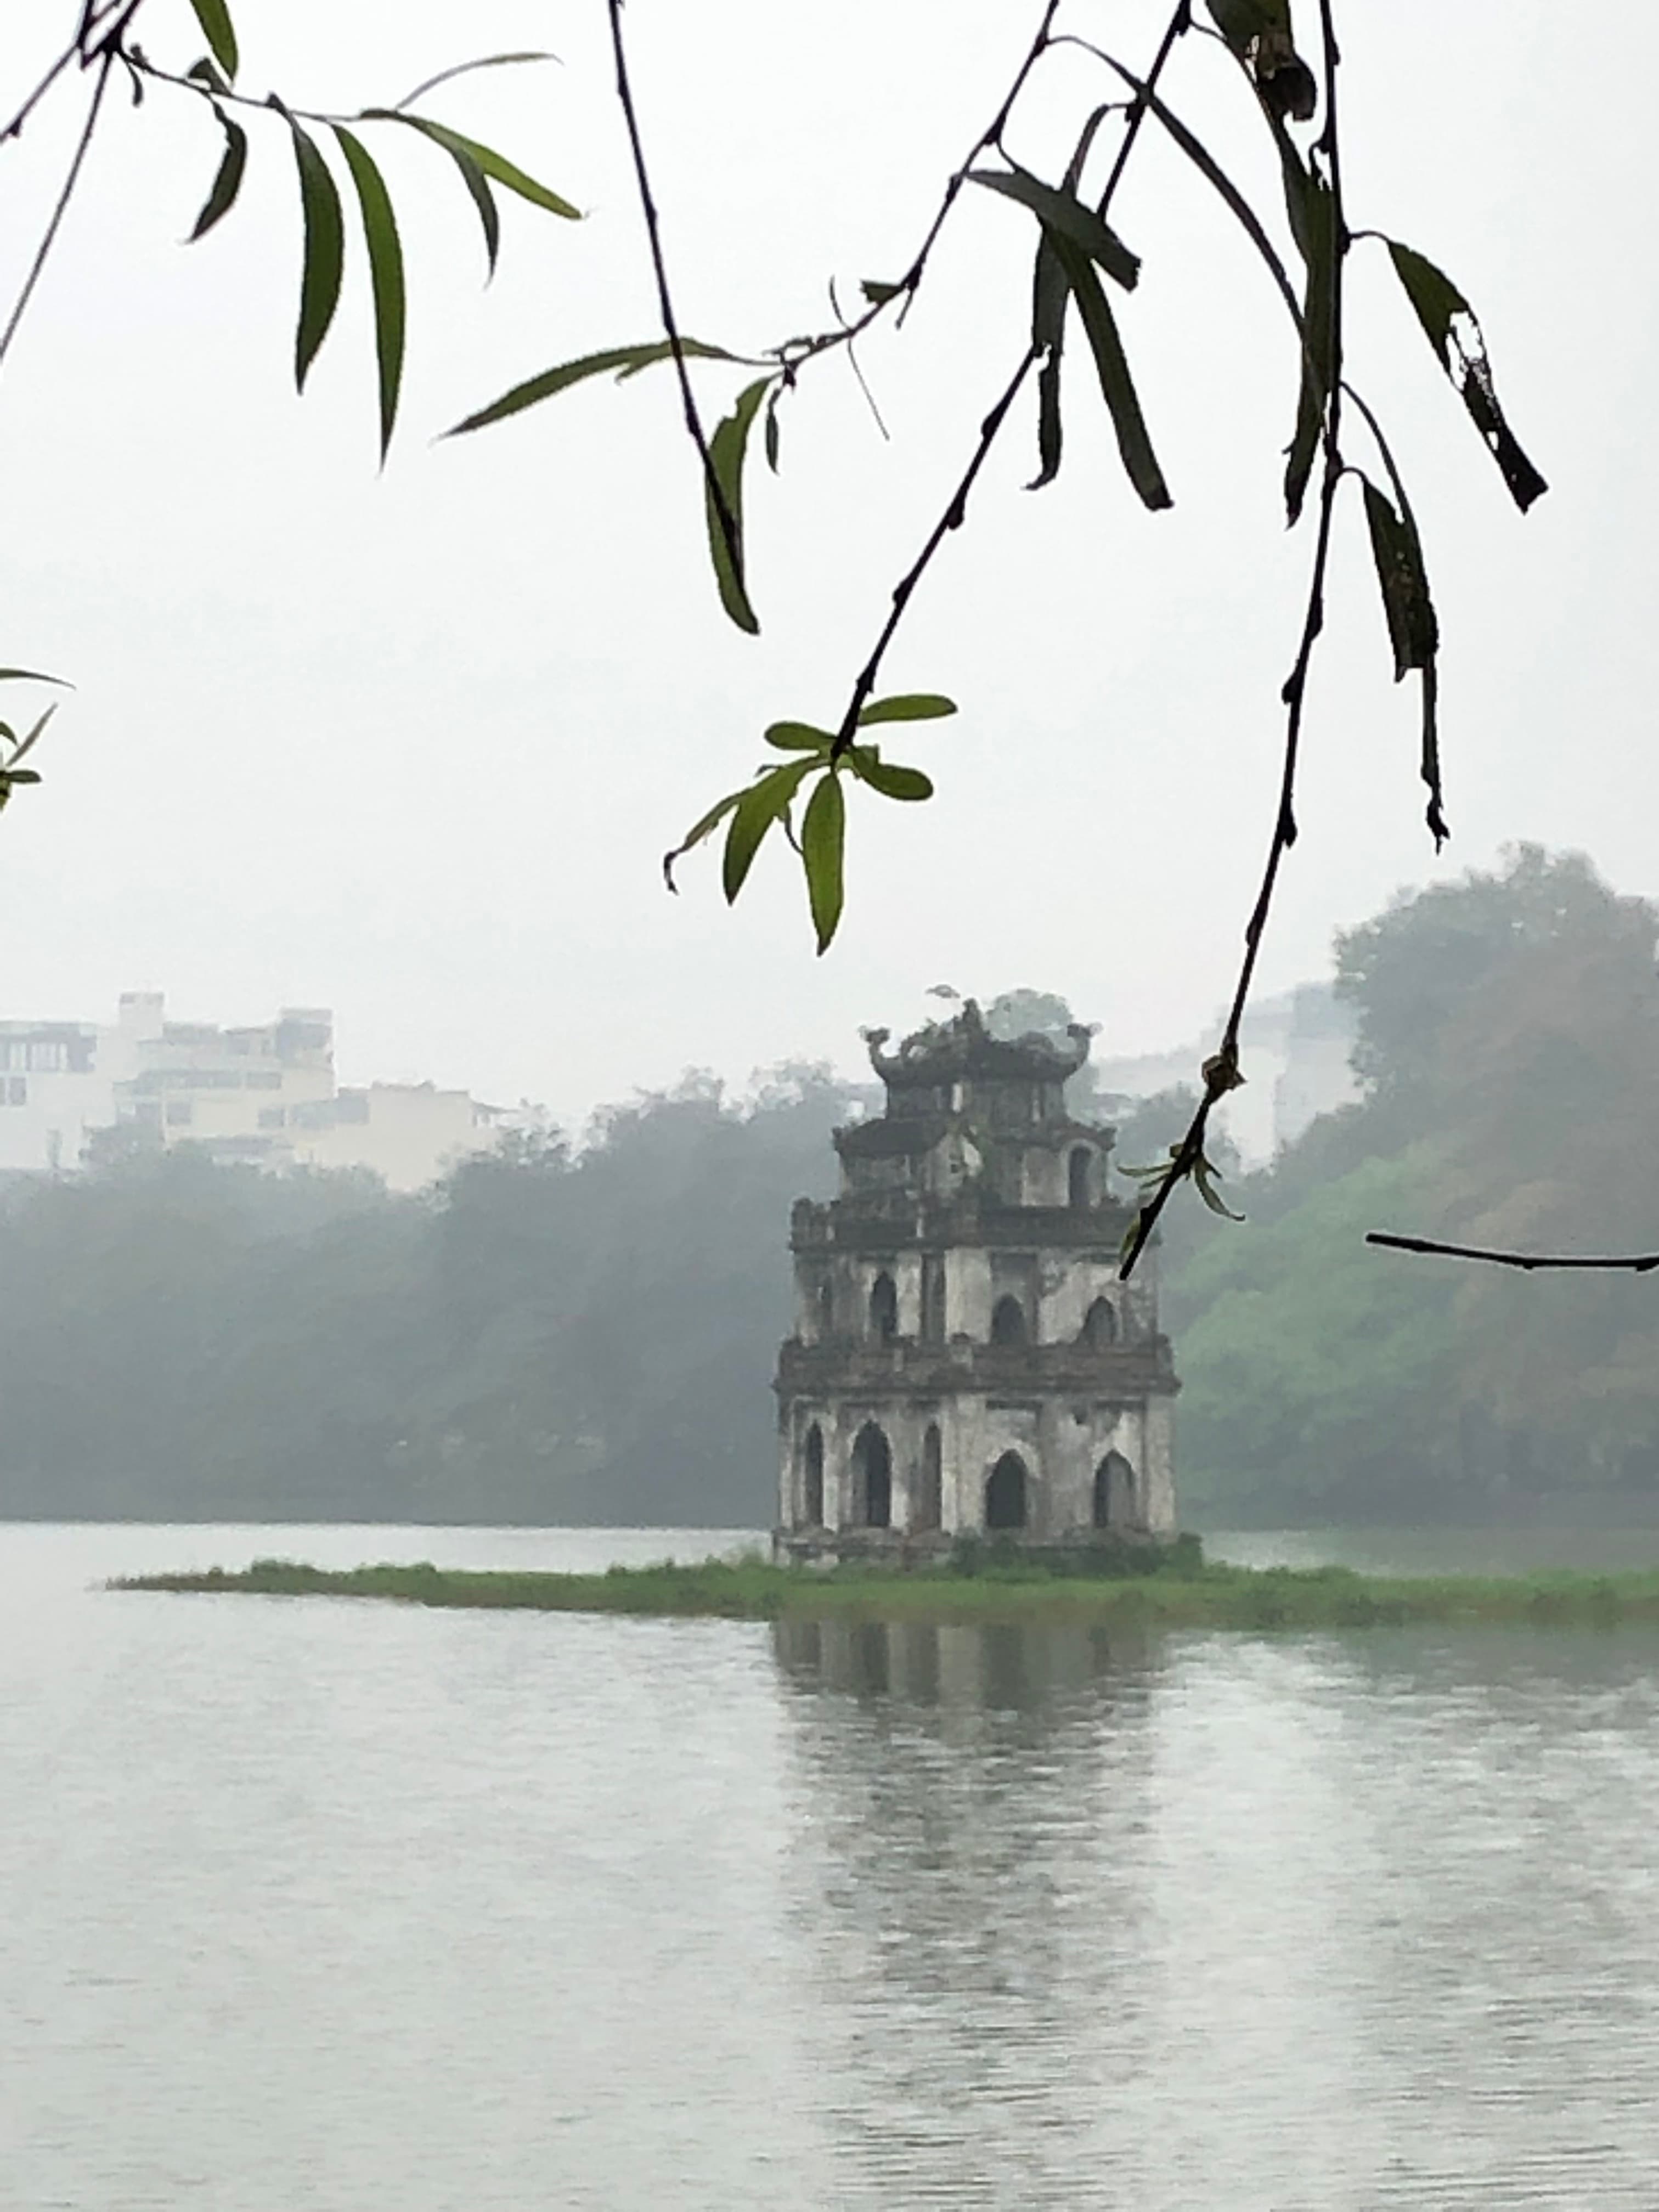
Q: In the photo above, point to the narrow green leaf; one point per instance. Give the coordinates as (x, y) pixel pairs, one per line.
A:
(771, 427)
(907, 707)
(626, 361)
(1117, 388)
(1413, 630)
(887, 776)
(798, 737)
(1451, 327)
(877, 294)
(1318, 341)
(23, 745)
(493, 165)
(1062, 211)
(32, 675)
(822, 852)
(703, 827)
(466, 69)
(228, 181)
(324, 251)
(217, 29)
(484, 199)
(385, 271)
(204, 72)
(726, 449)
(761, 805)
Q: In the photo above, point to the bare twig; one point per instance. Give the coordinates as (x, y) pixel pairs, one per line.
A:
(1221, 1070)
(1640, 1263)
(957, 508)
(50, 235)
(951, 519)
(84, 48)
(728, 521)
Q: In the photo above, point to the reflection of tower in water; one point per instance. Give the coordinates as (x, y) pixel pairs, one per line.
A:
(972, 1801)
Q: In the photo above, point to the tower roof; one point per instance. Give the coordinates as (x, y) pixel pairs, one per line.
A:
(964, 1049)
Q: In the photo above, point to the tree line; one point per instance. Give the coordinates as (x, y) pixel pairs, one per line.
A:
(586, 1334)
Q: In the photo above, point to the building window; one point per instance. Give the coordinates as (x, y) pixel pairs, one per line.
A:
(1004, 1493)
(930, 1505)
(1100, 1325)
(1008, 1321)
(180, 1113)
(884, 1309)
(1115, 1493)
(271, 1118)
(811, 1512)
(872, 1480)
(17, 1090)
(1077, 1176)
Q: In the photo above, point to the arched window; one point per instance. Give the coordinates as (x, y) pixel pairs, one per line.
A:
(1077, 1175)
(1004, 1493)
(1008, 1321)
(884, 1308)
(872, 1480)
(826, 1308)
(1100, 1325)
(811, 1507)
(1115, 1493)
(930, 1503)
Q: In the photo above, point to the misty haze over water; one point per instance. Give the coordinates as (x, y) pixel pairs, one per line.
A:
(330, 1905)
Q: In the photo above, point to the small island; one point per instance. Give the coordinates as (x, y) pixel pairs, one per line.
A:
(1180, 1591)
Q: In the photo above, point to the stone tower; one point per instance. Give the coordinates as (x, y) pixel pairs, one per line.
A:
(965, 1358)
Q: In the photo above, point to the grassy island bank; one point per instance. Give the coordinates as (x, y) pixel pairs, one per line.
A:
(1182, 1594)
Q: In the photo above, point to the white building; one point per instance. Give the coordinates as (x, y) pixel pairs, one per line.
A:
(1295, 1052)
(265, 1095)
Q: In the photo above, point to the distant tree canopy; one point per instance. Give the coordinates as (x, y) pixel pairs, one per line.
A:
(587, 1333)
(1508, 1043)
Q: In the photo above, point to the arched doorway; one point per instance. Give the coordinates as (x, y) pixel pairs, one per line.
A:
(1077, 1176)
(1008, 1321)
(812, 1499)
(1004, 1493)
(1115, 1493)
(930, 1501)
(884, 1308)
(1100, 1325)
(872, 1480)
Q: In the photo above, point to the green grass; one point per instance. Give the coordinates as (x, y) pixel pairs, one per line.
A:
(1184, 1594)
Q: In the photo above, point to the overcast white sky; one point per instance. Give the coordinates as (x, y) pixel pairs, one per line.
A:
(411, 744)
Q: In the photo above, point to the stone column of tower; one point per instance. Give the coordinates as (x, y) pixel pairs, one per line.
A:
(964, 1356)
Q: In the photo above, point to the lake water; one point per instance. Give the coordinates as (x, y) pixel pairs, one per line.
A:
(311, 1906)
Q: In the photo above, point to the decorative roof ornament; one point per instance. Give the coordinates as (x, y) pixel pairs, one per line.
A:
(962, 1048)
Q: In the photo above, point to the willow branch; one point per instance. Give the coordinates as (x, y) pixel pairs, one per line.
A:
(728, 521)
(953, 519)
(1641, 1263)
(1221, 1070)
(956, 509)
(49, 239)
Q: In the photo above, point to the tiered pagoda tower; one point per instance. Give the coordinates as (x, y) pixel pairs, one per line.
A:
(965, 1358)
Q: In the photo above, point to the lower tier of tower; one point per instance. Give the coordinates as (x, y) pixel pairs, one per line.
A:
(862, 1476)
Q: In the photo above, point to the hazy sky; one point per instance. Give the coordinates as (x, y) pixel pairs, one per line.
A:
(410, 744)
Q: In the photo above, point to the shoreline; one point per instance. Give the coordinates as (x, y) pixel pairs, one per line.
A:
(1209, 1596)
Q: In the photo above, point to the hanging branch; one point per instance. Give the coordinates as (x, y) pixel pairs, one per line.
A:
(716, 491)
(956, 511)
(1221, 1070)
(50, 235)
